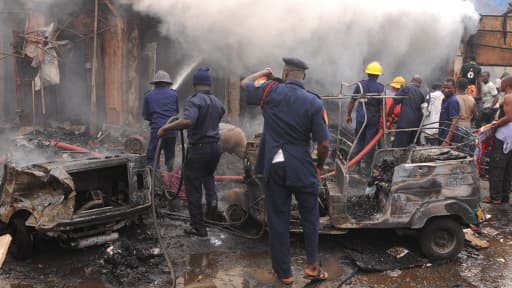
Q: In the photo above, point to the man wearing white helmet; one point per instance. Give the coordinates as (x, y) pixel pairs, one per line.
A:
(160, 104)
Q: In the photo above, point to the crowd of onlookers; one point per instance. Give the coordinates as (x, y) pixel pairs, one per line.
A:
(454, 109)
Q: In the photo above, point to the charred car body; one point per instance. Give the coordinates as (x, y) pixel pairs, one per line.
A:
(432, 192)
(80, 202)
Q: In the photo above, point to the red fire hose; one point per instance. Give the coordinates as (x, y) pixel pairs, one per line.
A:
(229, 179)
(74, 148)
(366, 149)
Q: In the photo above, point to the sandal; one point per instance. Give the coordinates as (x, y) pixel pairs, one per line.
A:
(315, 274)
(285, 281)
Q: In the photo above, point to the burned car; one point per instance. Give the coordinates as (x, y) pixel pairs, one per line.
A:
(428, 191)
(80, 202)
(434, 195)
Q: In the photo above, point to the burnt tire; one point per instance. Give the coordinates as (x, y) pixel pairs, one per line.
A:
(441, 238)
(22, 245)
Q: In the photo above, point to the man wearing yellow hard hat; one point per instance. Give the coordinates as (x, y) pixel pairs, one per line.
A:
(397, 83)
(370, 87)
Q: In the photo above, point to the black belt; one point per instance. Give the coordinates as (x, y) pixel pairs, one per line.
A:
(202, 144)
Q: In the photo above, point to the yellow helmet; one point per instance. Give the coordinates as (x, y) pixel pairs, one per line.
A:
(398, 82)
(374, 68)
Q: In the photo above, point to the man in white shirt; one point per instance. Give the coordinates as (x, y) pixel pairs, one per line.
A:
(489, 99)
(431, 124)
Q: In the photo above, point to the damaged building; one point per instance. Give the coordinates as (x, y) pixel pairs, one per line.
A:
(87, 63)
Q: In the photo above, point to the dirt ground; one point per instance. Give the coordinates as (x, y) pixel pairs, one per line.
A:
(224, 260)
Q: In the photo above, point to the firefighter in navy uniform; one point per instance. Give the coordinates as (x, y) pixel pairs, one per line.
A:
(160, 104)
(201, 116)
(373, 114)
(292, 118)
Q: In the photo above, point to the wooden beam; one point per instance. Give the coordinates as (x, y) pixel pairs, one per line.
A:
(93, 123)
(114, 41)
(132, 77)
(2, 83)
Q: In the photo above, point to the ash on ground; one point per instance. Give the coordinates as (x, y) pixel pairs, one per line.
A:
(362, 207)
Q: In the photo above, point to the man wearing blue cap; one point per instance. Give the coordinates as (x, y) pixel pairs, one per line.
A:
(293, 117)
(160, 104)
(201, 116)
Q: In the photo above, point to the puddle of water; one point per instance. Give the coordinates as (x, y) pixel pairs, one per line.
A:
(247, 270)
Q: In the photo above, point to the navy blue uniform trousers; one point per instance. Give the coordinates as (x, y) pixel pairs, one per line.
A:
(368, 133)
(404, 138)
(278, 198)
(202, 160)
(168, 145)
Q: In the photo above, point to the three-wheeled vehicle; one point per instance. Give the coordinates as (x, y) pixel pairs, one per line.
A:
(430, 191)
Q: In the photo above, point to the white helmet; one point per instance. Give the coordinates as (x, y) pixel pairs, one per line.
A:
(161, 76)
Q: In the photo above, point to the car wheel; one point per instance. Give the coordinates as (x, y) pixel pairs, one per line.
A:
(441, 238)
(22, 244)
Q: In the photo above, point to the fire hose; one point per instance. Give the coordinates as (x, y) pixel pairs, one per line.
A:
(153, 204)
(69, 147)
(366, 149)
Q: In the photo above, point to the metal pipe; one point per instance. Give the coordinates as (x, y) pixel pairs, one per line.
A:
(89, 204)
(33, 108)
(364, 122)
(95, 240)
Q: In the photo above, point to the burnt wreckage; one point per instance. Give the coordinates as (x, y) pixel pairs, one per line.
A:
(80, 202)
(428, 191)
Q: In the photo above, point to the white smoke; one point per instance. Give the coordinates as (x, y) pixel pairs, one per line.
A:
(335, 37)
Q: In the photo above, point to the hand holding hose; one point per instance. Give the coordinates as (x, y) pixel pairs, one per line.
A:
(161, 132)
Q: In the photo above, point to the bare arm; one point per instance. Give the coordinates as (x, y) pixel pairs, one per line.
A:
(176, 125)
(503, 121)
(446, 141)
(251, 78)
(391, 109)
(322, 153)
(348, 118)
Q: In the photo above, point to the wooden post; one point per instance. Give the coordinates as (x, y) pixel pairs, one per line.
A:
(132, 66)
(114, 45)
(232, 95)
(33, 107)
(2, 82)
(93, 123)
(19, 87)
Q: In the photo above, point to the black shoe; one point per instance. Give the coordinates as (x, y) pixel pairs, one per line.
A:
(211, 211)
(199, 232)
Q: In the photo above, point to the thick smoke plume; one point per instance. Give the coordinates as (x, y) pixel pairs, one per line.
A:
(335, 37)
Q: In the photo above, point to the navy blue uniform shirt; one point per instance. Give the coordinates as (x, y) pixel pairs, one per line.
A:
(160, 104)
(293, 116)
(373, 105)
(449, 110)
(205, 112)
(410, 111)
